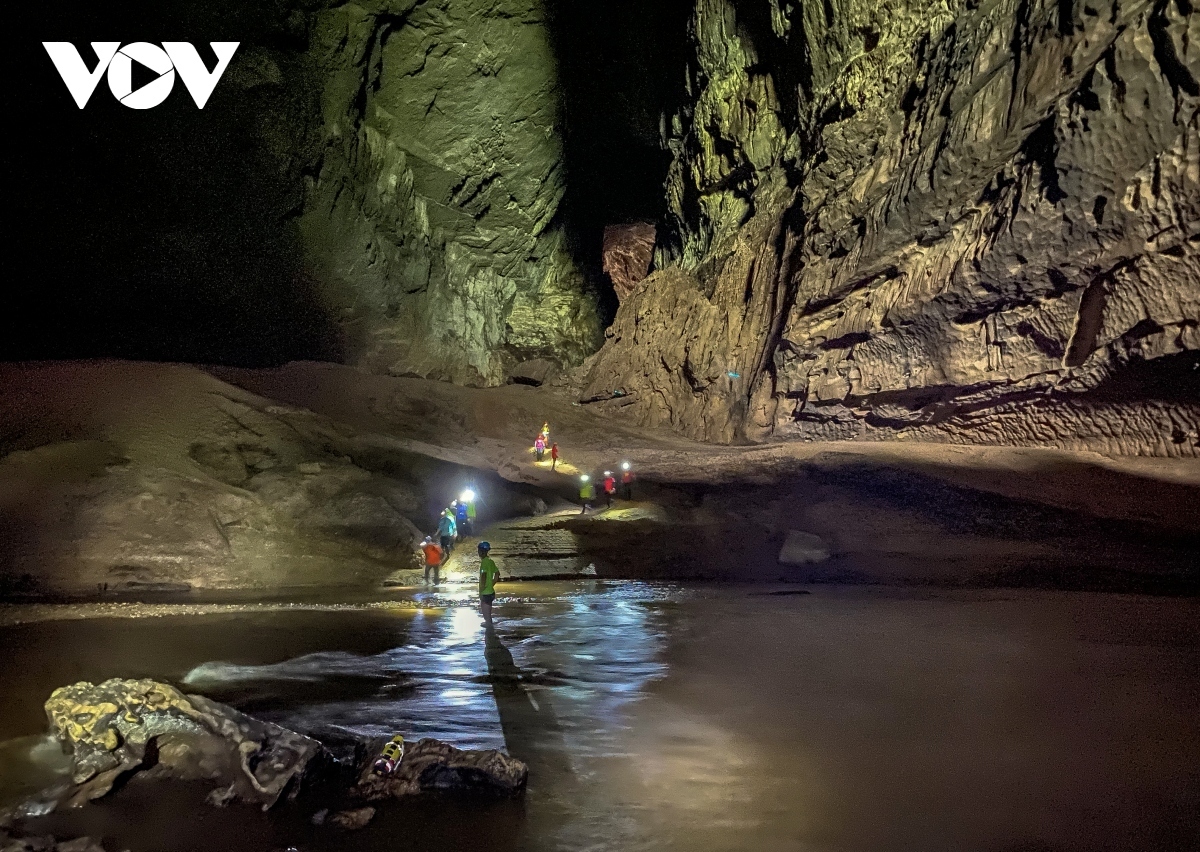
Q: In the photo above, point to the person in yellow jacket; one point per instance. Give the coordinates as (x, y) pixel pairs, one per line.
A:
(587, 493)
(489, 575)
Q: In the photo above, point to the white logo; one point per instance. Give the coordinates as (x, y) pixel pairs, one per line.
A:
(118, 61)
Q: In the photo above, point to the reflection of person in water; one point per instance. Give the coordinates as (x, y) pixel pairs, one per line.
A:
(530, 726)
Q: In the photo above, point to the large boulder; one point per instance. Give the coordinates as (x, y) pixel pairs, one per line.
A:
(124, 727)
(119, 729)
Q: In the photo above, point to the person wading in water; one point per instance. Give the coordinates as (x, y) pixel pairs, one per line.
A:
(489, 575)
(433, 559)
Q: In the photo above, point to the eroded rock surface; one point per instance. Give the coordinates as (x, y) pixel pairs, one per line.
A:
(628, 252)
(41, 843)
(120, 728)
(949, 221)
(137, 477)
(431, 216)
(431, 765)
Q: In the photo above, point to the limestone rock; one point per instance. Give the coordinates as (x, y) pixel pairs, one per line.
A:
(536, 372)
(123, 727)
(431, 219)
(47, 844)
(628, 252)
(993, 238)
(802, 548)
(430, 765)
(128, 478)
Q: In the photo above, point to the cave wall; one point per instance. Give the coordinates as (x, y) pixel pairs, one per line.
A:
(431, 214)
(377, 182)
(946, 220)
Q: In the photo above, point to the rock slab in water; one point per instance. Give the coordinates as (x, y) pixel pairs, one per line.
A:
(353, 820)
(431, 765)
(47, 844)
(121, 727)
(124, 727)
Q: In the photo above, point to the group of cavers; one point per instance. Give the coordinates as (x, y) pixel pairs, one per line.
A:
(608, 488)
(458, 519)
(587, 488)
(456, 522)
(542, 444)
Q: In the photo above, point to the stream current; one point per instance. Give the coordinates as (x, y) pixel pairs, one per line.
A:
(672, 717)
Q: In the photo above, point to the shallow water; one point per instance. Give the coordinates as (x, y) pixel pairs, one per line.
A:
(657, 717)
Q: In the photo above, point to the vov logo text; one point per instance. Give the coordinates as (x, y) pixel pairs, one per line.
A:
(118, 61)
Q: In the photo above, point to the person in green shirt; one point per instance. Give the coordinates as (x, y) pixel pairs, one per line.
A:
(489, 575)
(587, 493)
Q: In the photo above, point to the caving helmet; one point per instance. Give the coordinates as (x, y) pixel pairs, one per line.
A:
(485, 546)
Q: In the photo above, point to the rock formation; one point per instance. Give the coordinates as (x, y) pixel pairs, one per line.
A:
(119, 728)
(628, 252)
(122, 728)
(432, 212)
(39, 843)
(430, 765)
(142, 477)
(949, 221)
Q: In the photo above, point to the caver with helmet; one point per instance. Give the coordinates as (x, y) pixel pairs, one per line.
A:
(489, 575)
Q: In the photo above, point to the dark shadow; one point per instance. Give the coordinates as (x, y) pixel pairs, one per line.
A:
(531, 728)
(166, 233)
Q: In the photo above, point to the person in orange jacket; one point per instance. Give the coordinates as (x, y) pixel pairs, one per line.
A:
(553, 456)
(433, 559)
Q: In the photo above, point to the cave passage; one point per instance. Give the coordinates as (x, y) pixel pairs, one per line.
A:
(622, 69)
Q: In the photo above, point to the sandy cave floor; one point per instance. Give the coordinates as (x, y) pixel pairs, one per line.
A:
(494, 428)
(147, 477)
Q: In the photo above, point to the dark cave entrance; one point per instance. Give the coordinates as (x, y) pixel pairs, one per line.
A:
(622, 66)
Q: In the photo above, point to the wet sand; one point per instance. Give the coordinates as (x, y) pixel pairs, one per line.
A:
(694, 717)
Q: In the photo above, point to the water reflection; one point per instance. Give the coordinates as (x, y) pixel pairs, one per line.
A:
(455, 681)
(714, 719)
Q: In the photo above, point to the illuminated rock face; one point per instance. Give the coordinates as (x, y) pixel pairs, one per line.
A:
(435, 179)
(952, 221)
(628, 252)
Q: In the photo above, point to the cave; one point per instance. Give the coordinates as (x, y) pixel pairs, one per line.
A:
(564, 424)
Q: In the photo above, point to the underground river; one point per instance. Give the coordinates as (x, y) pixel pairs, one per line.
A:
(673, 717)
